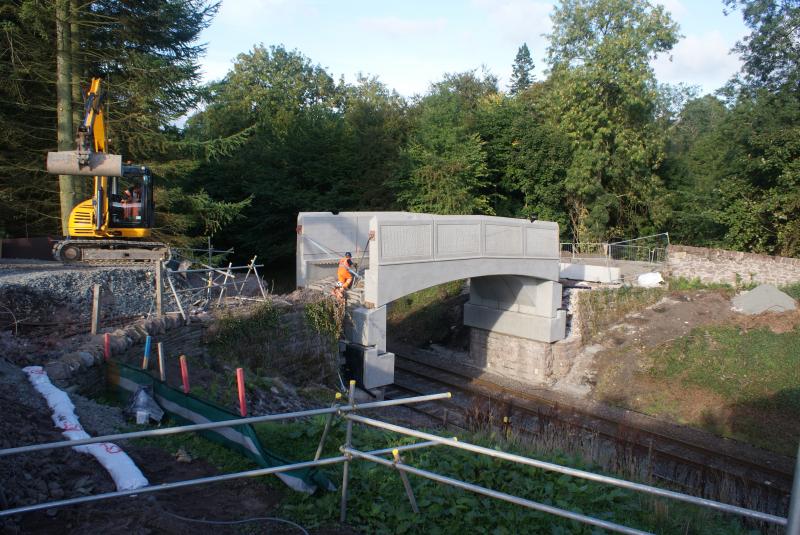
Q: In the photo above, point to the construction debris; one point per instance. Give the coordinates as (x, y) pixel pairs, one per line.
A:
(764, 298)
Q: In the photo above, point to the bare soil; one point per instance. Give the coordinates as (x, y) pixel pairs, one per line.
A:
(674, 316)
(63, 473)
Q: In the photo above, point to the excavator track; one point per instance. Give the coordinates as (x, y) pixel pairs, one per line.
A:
(109, 252)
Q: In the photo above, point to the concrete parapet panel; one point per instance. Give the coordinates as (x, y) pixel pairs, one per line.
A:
(527, 326)
(503, 240)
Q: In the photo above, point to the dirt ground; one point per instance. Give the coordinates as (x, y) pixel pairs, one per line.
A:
(674, 316)
(63, 473)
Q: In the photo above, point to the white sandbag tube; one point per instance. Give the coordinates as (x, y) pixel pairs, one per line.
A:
(123, 470)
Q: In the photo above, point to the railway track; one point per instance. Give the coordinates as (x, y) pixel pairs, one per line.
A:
(691, 459)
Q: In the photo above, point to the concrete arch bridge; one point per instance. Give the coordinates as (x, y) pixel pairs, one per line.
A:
(512, 265)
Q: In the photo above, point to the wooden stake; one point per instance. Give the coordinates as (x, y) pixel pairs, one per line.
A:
(162, 372)
(159, 289)
(96, 309)
(242, 398)
(107, 346)
(184, 374)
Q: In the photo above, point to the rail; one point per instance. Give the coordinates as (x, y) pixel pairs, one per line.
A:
(349, 411)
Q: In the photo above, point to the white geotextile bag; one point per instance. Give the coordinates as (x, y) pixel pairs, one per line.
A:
(123, 470)
(650, 280)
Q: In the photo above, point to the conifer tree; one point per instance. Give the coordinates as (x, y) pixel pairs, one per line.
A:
(522, 73)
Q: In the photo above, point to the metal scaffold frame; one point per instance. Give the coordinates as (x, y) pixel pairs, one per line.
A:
(348, 411)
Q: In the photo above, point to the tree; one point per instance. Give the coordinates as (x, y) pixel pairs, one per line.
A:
(605, 99)
(530, 156)
(145, 50)
(771, 52)
(696, 160)
(446, 169)
(297, 157)
(522, 71)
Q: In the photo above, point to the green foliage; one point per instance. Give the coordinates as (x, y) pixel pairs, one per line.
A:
(771, 53)
(682, 284)
(315, 145)
(377, 501)
(326, 317)
(447, 171)
(793, 290)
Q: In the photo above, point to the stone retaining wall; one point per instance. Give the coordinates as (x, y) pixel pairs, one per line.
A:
(731, 267)
(520, 358)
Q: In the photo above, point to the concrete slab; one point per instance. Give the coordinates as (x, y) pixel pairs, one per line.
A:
(763, 298)
(589, 273)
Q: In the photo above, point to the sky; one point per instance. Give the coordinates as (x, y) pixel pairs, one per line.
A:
(408, 44)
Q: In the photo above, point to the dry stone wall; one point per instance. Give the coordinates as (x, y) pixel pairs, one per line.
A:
(731, 267)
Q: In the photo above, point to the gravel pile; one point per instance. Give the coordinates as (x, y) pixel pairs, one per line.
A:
(66, 294)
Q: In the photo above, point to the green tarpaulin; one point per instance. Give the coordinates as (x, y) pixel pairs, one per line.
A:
(186, 408)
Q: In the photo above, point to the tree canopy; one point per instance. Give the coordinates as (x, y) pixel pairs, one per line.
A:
(596, 144)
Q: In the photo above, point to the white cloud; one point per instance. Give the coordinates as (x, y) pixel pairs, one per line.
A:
(519, 21)
(401, 27)
(674, 7)
(699, 59)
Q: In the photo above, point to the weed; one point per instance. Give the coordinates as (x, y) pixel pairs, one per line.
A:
(326, 317)
(683, 284)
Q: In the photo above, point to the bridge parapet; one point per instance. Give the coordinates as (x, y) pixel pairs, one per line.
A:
(411, 252)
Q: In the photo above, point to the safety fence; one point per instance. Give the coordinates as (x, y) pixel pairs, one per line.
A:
(209, 286)
(651, 250)
(349, 411)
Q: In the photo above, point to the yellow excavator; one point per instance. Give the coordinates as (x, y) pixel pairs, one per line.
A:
(115, 224)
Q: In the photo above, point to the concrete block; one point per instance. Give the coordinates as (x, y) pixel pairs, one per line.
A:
(367, 326)
(527, 326)
(370, 367)
(589, 273)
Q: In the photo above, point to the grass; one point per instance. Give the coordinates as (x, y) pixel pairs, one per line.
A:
(378, 503)
(755, 372)
(792, 289)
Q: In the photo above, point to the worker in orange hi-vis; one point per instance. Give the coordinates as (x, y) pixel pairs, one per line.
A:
(345, 273)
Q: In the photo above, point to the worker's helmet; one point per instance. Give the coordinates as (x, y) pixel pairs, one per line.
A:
(348, 255)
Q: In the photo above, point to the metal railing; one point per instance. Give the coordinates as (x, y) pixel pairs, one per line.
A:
(349, 454)
(647, 249)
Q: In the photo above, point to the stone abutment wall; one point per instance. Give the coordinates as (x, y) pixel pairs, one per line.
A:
(731, 267)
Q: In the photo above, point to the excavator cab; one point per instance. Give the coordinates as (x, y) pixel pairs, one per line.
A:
(130, 202)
